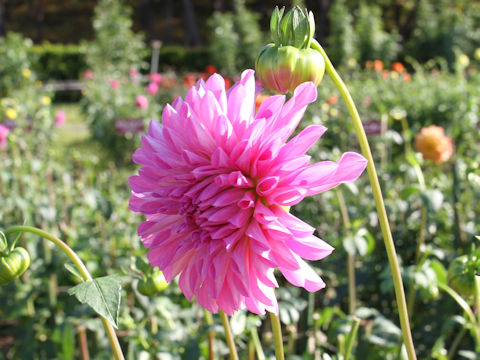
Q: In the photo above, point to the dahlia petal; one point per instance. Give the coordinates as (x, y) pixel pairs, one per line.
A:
(350, 167)
(293, 110)
(267, 184)
(302, 142)
(216, 84)
(304, 277)
(310, 248)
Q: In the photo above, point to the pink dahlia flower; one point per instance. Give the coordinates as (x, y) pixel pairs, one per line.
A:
(4, 131)
(114, 84)
(60, 117)
(155, 77)
(152, 88)
(141, 101)
(215, 178)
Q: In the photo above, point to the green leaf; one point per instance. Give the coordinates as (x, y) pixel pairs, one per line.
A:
(102, 294)
(440, 271)
(73, 270)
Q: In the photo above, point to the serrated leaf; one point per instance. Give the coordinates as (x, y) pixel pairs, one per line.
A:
(73, 270)
(102, 294)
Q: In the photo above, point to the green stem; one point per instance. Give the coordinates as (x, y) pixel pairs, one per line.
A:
(377, 194)
(466, 308)
(228, 336)
(352, 296)
(351, 338)
(210, 334)
(277, 336)
(257, 344)
(456, 342)
(112, 337)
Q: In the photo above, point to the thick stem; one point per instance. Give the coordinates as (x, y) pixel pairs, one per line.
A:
(228, 336)
(112, 337)
(277, 336)
(377, 194)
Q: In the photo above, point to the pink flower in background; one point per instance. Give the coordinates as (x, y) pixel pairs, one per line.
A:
(133, 72)
(216, 177)
(141, 101)
(155, 77)
(4, 131)
(114, 84)
(152, 88)
(60, 117)
(88, 74)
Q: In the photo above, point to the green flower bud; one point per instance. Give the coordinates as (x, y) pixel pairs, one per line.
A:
(461, 275)
(13, 264)
(152, 284)
(290, 61)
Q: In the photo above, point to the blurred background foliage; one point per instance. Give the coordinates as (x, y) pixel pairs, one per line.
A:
(352, 29)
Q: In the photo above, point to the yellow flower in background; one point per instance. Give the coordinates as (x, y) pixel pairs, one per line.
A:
(46, 100)
(394, 75)
(334, 112)
(38, 83)
(11, 114)
(26, 73)
(463, 60)
(476, 54)
(325, 107)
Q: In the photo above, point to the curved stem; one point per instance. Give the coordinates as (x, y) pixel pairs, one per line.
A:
(228, 335)
(277, 336)
(112, 336)
(377, 194)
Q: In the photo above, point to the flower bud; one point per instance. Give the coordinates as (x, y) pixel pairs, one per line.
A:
(152, 284)
(290, 61)
(13, 265)
(461, 275)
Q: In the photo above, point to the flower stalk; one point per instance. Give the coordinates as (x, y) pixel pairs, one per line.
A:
(377, 194)
(112, 337)
(228, 335)
(277, 336)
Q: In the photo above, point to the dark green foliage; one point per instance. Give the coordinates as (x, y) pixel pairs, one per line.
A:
(235, 39)
(59, 61)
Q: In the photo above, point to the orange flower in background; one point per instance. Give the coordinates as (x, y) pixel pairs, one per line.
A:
(261, 97)
(368, 64)
(378, 65)
(434, 144)
(332, 100)
(398, 67)
(385, 74)
(407, 77)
